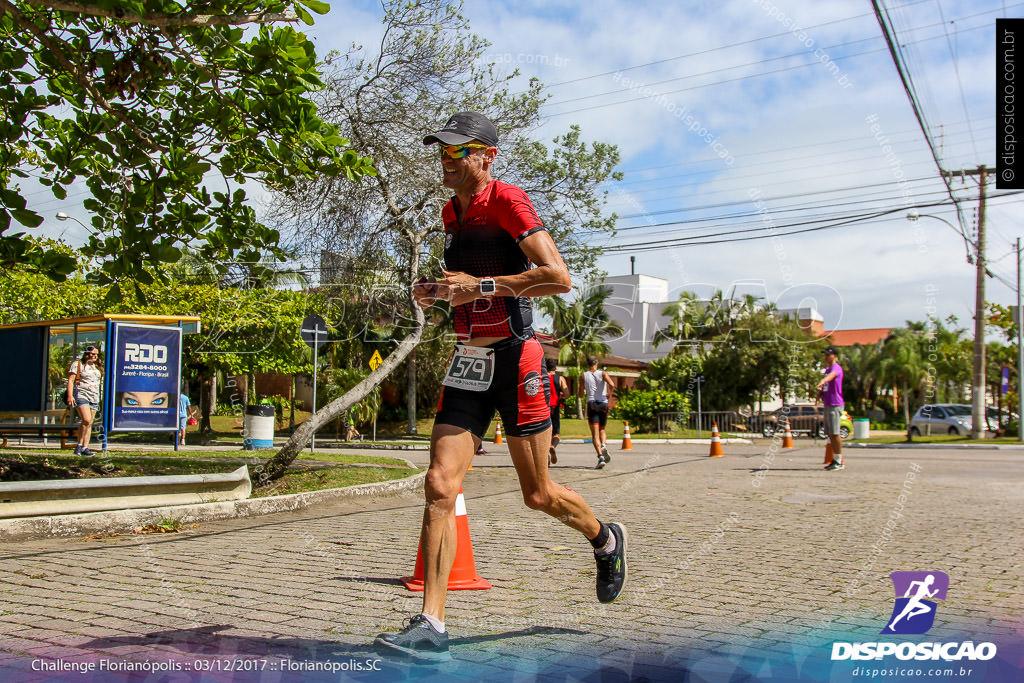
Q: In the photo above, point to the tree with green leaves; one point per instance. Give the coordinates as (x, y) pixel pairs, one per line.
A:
(163, 112)
(902, 364)
(384, 98)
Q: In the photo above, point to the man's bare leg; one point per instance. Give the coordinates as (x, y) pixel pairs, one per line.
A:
(529, 455)
(451, 451)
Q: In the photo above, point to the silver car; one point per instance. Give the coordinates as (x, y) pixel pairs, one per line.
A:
(941, 418)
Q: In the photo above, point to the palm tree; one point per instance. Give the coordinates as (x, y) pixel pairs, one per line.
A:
(695, 320)
(902, 364)
(580, 328)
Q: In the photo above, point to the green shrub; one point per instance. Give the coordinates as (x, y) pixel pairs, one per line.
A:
(641, 408)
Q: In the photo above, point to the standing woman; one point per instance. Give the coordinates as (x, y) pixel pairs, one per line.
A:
(84, 379)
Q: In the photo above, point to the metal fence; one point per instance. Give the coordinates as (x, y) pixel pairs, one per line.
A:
(727, 421)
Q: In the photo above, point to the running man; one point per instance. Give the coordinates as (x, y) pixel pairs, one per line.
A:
(559, 390)
(914, 606)
(598, 386)
(492, 236)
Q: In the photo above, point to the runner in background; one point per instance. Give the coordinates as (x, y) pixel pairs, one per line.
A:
(598, 386)
(559, 390)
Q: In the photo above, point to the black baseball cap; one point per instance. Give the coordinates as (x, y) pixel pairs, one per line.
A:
(464, 127)
(831, 349)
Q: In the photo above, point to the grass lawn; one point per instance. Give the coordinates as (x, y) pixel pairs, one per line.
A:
(35, 466)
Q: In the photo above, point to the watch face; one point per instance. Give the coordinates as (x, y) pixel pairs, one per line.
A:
(487, 285)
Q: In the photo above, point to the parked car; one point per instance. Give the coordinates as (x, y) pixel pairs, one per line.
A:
(804, 418)
(941, 418)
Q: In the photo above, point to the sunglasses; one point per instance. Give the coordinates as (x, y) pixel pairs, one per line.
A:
(459, 151)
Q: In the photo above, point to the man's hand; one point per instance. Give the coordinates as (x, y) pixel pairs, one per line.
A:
(462, 288)
(428, 292)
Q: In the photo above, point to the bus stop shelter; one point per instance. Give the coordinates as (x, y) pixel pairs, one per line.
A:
(141, 379)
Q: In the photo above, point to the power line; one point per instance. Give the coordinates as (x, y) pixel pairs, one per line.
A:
(722, 47)
(731, 80)
(835, 223)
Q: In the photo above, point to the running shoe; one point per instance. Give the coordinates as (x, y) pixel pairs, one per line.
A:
(600, 462)
(481, 451)
(611, 568)
(604, 452)
(419, 640)
(835, 466)
(86, 452)
(78, 449)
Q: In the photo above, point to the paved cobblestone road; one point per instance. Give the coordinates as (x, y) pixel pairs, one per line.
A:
(755, 562)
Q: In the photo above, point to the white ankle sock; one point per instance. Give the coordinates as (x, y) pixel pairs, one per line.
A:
(438, 625)
(609, 546)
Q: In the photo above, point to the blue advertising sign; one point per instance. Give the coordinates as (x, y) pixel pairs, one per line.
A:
(146, 374)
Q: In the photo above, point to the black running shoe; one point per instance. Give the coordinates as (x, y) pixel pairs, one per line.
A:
(78, 449)
(419, 640)
(611, 568)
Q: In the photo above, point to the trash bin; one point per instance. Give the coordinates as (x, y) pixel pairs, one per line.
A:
(258, 429)
(861, 428)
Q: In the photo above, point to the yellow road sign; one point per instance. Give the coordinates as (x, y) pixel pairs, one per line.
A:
(375, 360)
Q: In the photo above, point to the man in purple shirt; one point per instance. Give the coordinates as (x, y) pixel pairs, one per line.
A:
(830, 390)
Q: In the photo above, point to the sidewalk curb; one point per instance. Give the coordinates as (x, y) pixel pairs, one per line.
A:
(668, 441)
(126, 521)
(947, 446)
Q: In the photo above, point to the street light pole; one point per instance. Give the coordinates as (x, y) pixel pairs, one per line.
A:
(978, 375)
(61, 216)
(1020, 351)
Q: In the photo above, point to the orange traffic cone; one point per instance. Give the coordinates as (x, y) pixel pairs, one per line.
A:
(627, 443)
(787, 438)
(497, 433)
(463, 575)
(716, 443)
(828, 452)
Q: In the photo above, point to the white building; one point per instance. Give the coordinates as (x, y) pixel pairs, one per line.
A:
(636, 303)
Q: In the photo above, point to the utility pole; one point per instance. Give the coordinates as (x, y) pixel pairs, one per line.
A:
(978, 380)
(1020, 349)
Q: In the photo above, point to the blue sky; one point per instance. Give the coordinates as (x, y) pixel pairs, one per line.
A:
(784, 91)
(769, 114)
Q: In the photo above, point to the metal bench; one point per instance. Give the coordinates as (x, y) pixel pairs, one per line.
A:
(62, 426)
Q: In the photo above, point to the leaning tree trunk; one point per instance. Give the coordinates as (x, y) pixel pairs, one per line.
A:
(410, 388)
(278, 465)
(410, 393)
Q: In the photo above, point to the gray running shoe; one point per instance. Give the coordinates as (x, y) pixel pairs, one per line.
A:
(604, 452)
(419, 640)
(611, 568)
(600, 462)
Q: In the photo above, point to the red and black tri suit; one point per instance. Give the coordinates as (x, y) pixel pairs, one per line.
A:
(486, 244)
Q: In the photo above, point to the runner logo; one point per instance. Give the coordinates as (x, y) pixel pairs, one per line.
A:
(914, 612)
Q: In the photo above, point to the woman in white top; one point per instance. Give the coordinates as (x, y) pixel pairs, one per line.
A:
(84, 378)
(599, 387)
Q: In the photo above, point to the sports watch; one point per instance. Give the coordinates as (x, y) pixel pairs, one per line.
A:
(487, 286)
